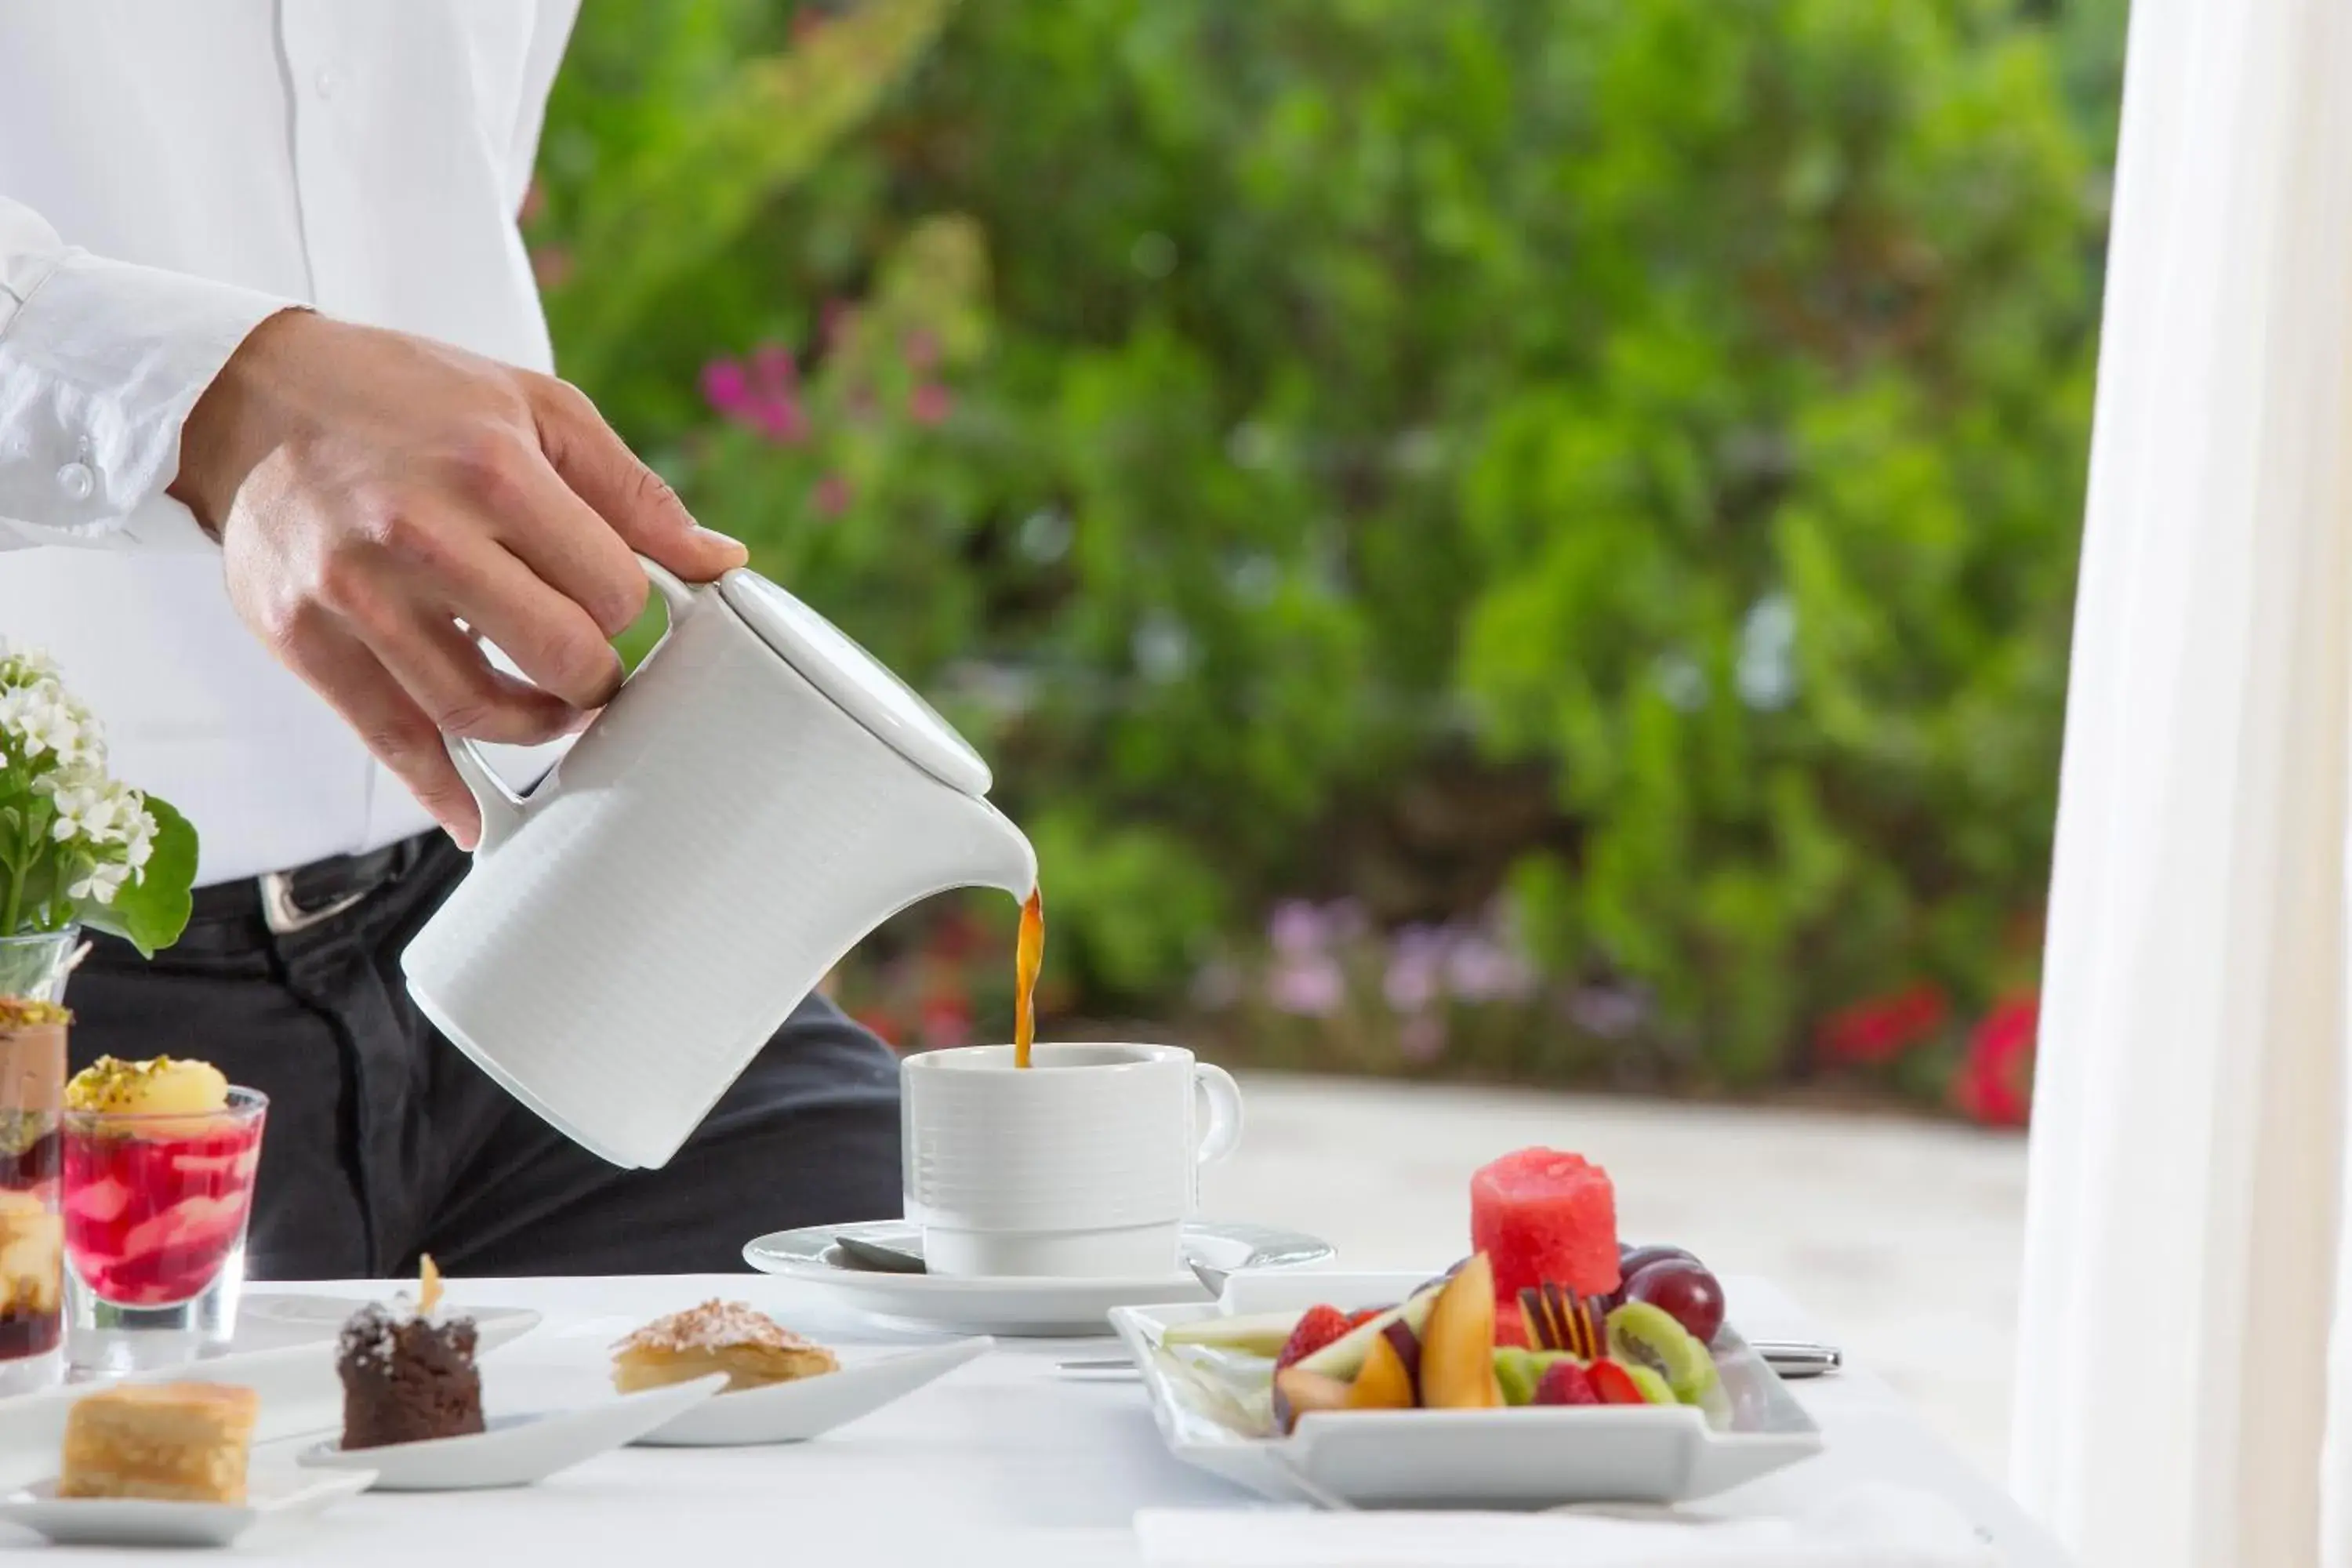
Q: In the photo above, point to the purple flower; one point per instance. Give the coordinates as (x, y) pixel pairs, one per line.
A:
(1480, 968)
(1415, 955)
(1310, 986)
(922, 350)
(1423, 1038)
(831, 496)
(1297, 927)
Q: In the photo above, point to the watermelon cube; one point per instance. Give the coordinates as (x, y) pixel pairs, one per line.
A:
(1540, 1214)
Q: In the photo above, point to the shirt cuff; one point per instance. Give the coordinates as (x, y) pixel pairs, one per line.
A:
(98, 367)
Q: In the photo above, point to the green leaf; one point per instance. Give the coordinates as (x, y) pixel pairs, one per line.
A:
(151, 913)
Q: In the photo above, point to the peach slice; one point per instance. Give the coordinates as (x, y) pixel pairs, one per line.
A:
(1457, 1344)
(1386, 1382)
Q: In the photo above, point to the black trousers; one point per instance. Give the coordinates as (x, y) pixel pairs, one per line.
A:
(384, 1142)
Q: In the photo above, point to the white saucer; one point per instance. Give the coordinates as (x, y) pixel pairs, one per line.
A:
(1005, 1305)
(809, 1406)
(141, 1522)
(517, 1450)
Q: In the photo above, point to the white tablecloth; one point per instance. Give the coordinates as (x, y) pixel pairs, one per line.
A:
(1001, 1463)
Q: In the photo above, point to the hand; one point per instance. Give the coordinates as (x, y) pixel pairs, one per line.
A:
(372, 489)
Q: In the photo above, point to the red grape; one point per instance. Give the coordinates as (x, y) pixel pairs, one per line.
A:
(1685, 1291)
(1632, 1260)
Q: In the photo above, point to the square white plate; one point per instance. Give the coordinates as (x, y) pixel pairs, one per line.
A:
(145, 1522)
(1516, 1459)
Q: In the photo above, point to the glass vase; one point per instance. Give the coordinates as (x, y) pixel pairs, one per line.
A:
(32, 972)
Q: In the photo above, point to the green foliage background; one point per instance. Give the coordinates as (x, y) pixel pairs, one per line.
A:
(1625, 458)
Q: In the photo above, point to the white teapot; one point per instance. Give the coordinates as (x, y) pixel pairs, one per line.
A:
(759, 797)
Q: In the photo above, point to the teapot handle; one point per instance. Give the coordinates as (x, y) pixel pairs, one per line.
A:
(501, 808)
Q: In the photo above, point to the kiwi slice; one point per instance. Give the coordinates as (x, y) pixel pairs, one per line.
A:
(1515, 1372)
(1654, 1387)
(1643, 1336)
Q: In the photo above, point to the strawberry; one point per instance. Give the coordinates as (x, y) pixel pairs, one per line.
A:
(1318, 1327)
(1565, 1383)
(1610, 1382)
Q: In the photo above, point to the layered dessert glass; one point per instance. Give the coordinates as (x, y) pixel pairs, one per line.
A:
(158, 1192)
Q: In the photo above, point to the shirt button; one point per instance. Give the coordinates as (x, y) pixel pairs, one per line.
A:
(326, 81)
(76, 481)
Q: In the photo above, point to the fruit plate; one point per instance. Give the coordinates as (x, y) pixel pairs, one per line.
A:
(1526, 1457)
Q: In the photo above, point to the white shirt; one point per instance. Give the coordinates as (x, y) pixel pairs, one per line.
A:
(170, 175)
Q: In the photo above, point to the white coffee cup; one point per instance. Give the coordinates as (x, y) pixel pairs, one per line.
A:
(1086, 1163)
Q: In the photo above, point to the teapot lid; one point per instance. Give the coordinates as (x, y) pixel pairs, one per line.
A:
(857, 682)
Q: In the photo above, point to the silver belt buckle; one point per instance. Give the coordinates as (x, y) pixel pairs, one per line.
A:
(284, 917)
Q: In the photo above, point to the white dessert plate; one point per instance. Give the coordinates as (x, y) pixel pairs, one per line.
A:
(807, 1408)
(517, 1450)
(1007, 1305)
(1513, 1459)
(142, 1521)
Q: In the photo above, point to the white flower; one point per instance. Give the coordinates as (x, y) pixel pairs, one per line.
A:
(44, 720)
(104, 880)
(24, 666)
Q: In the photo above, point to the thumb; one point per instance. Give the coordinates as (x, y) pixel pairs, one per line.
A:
(636, 503)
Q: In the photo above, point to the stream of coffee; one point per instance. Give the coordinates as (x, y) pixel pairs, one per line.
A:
(1028, 952)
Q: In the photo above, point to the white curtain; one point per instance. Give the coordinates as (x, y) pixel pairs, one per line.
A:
(2185, 1387)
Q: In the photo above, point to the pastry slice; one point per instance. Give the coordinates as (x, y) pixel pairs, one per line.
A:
(752, 1348)
(181, 1442)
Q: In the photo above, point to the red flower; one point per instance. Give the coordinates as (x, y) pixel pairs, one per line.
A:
(1881, 1028)
(1995, 1084)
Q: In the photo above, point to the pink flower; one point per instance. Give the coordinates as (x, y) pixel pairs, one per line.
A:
(782, 420)
(772, 364)
(929, 404)
(922, 351)
(550, 264)
(1996, 1082)
(831, 496)
(534, 203)
(725, 386)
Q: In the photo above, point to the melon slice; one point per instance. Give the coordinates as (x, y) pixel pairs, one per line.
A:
(1545, 1216)
(1254, 1333)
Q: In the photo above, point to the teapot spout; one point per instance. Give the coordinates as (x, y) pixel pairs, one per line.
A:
(986, 850)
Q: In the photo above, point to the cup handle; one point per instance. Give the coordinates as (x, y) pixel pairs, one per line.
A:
(1224, 1096)
(501, 808)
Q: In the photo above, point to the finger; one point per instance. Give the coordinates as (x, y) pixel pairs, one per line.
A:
(572, 548)
(462, 568)
(636, 503)
(444, 672)
(395, 731)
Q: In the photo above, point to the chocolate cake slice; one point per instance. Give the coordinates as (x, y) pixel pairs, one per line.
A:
(407, 1378)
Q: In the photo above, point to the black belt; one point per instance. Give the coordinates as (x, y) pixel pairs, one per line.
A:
(286, 901)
